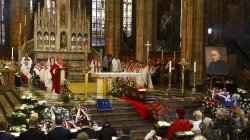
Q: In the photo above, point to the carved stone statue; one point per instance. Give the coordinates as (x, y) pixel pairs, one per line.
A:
(63, 40)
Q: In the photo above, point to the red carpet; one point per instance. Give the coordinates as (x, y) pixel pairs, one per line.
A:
(140, 107)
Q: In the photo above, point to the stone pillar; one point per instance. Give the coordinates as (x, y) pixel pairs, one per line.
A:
(112, 26)
(144, 27)
(194, 36)
(15, 18)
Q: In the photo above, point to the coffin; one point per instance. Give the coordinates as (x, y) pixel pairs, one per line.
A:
(140, 96)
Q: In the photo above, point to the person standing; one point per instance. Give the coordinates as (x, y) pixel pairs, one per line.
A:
(95, 65)
(58, 76)
(105, 63)
(51, 61)
(48, 78)
(116, 64)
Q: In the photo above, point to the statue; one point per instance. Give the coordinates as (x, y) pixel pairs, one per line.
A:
(63, 40)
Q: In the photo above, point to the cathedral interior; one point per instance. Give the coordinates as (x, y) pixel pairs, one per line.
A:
(186, 33)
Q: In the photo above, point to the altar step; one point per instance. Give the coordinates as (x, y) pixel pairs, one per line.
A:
(9, 98)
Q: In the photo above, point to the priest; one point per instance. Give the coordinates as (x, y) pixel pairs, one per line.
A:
(95, 65)
(25, 72)
(59, 76)
(51, 61)
(47, 78)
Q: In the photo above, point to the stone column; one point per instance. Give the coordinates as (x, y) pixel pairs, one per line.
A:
(194, 36)
(144, 27)
(15, 19)
(112, 26)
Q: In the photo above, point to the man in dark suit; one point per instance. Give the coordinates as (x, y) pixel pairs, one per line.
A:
(125, 134)
(107, 132)
(3, 134)
(59, 133)
(85, 128)
(33, 132)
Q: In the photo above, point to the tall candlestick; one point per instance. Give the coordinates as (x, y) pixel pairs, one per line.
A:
(162, 56)
(170, 66)
(20, 28)
(12, 53)
(194, 66)
(25, 20)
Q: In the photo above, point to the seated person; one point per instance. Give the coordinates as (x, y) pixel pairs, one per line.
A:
(36, 69)
(42, 69)
(82, 136)
(58, 133)
(198, 116)
(107, 132)
(33, 132)
(84, 124)
(125, 133)
(3, 134)
(181, 124)
(25, 73)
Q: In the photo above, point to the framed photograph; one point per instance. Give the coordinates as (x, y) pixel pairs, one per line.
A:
(216, 60)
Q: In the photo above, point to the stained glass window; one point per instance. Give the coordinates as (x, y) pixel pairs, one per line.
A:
(98, 22)
(31, 9)
(51, 5)
(2, 27)
(127, 17)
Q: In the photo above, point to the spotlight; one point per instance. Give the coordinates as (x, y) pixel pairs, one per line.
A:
(209, 31)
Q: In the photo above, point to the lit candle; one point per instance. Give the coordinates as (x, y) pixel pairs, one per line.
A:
(12, 51)
(162, 56)
(170, 66)
(20, 28)
(194, 66)
(25, 20)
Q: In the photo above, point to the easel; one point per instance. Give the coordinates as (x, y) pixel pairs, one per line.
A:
(217, 77)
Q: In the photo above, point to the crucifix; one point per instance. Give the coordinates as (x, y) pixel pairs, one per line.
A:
(148, 45)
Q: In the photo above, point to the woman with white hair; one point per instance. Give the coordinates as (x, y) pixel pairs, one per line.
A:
(198, 116)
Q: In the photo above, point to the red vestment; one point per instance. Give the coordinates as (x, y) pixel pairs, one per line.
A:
(178, 125)
(56, 77)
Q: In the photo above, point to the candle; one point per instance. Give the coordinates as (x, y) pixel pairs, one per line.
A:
(194, 66)
(170, 66)
(57, 48)
(12, 52)
(44, 48)
(162, 56)
(174, 56)
(25, 20)
(20, 28)
(65, 49)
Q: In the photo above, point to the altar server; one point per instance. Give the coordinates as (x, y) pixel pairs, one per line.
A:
(36, 69)
(95, 65)
(48, 78)
(58, 76)
(41, 73)
(28, 59)
(25, 72)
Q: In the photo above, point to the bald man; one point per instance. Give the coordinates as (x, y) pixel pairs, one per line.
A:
(217, 65)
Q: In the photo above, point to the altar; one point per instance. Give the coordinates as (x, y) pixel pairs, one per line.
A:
(103, 81)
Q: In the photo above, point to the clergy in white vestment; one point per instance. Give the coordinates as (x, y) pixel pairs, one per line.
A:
(147, 77)
(95, 65)
(28, 59)
(41, 73)
(116, 64)
(25, 72)
(36, 69)
(51, 61)
(48, 78)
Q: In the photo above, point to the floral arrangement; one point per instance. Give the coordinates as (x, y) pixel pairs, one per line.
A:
(80, 112)
(65, 93)
(18, 128)
(17, 118)
(120, 84)
(159, 110)
(28, 99)
(41, 103)
(25, 109)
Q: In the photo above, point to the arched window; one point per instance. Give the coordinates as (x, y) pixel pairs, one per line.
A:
(127, 17)
(2, 26)
(98, 20)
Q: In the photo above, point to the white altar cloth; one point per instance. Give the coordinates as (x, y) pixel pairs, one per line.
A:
(104, 84)
(116, 74)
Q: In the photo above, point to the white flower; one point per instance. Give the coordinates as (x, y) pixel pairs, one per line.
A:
(23, 97)
(244, 91)
(18, 129)
(22, 107)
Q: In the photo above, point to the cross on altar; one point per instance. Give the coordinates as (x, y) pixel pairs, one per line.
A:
(147, 45)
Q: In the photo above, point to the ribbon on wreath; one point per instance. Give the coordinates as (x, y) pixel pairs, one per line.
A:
(86, 114)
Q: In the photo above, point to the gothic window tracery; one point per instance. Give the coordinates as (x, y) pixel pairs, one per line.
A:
(98, 22)
(127, 17)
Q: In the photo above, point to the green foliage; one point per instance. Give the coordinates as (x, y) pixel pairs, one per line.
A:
(65, 93)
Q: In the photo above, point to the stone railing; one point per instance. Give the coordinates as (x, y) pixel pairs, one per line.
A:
(28, 46)
(7, 78)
